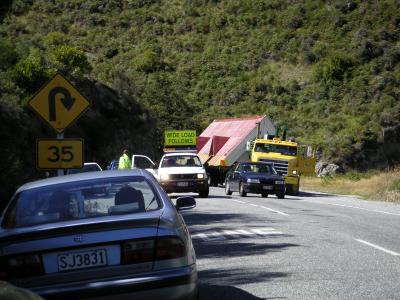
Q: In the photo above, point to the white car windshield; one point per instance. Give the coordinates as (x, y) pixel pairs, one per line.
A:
(80, 200)
(181, 161)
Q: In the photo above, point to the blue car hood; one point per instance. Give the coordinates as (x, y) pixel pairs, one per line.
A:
(261, 176)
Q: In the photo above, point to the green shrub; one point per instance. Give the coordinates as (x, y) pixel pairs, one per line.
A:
(70, 60)
(333, 68)
(54, 39)
(8, 55)
(30, 73)
(147, 62)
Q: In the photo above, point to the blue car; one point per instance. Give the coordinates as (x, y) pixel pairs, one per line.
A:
(254, 177)
(109, 234)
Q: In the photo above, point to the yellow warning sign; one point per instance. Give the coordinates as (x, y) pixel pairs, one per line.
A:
(179, 138)
(59, 103)
(59, 154)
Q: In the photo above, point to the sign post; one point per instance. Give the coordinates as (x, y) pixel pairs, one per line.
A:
(60, 136)
(58, 103)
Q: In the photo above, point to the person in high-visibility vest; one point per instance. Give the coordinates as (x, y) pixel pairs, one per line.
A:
(124, 161)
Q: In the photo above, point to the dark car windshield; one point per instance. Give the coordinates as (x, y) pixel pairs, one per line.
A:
(258, 168)
(282, 149)
(181, 161)
(80, 200)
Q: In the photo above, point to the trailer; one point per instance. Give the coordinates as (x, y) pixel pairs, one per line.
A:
(224, 141)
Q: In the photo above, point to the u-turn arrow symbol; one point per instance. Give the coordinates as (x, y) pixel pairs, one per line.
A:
(67, 101)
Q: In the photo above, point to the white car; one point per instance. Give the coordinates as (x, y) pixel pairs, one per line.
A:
(87, 167)
(181, 172)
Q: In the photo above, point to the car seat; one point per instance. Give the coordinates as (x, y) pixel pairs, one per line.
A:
(59, 202)
(190, 162)
(130, 195)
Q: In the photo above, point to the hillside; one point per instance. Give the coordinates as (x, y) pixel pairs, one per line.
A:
(329, 70)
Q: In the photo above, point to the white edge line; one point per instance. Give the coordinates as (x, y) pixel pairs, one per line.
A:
(270, 209)
(378, 247)
(357, 207)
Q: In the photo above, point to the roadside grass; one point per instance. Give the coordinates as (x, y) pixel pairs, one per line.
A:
(373, 185)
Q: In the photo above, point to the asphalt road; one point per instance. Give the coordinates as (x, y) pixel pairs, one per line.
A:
(311, 246)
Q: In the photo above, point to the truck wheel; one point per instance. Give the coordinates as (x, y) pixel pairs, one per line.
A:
(204, 193)
(280, 196)
(264, 194)
(292, 189)
(213, 180)
(227, 188)
(295, 190)
(242, 193)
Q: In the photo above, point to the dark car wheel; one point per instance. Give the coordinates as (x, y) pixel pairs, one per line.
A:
(242, 193)
(280, 196)
(227, 188)
(264, 194)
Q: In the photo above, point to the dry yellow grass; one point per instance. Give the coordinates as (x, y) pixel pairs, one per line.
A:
(384, 186)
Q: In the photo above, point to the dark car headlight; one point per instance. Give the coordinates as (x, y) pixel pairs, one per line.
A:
(279, 182)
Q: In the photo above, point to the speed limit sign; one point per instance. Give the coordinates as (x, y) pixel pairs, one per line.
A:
(59, 154)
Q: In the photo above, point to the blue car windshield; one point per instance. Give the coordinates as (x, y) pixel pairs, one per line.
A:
(81, 199)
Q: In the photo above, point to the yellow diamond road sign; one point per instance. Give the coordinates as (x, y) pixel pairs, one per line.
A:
(59, 103)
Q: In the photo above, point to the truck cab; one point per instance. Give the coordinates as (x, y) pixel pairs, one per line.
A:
(289, 159)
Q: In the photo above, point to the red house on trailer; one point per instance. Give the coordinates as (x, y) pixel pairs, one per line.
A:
(224, 141)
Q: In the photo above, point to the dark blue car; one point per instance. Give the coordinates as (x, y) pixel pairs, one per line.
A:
(259, 178)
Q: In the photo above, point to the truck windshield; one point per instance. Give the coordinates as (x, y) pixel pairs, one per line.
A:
(282, 149)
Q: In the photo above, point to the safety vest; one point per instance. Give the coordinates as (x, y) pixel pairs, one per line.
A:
(124, 162)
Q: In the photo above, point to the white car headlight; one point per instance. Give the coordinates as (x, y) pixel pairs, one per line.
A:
(200, 175)
(164, 177)
(279, 182)
(294, 172)
(252, 180)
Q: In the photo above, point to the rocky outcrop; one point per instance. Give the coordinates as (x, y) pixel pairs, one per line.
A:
(323, 169)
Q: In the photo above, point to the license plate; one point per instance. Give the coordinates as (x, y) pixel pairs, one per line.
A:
(267, 187)
(183, 184)
(82, 260)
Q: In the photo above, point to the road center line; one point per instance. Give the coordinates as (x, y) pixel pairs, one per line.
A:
(275, 211)
(378, 247)
(238, 201)
(255, 205)
(357, 207)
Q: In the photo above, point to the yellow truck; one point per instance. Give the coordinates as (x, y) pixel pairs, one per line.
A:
(289, 158)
